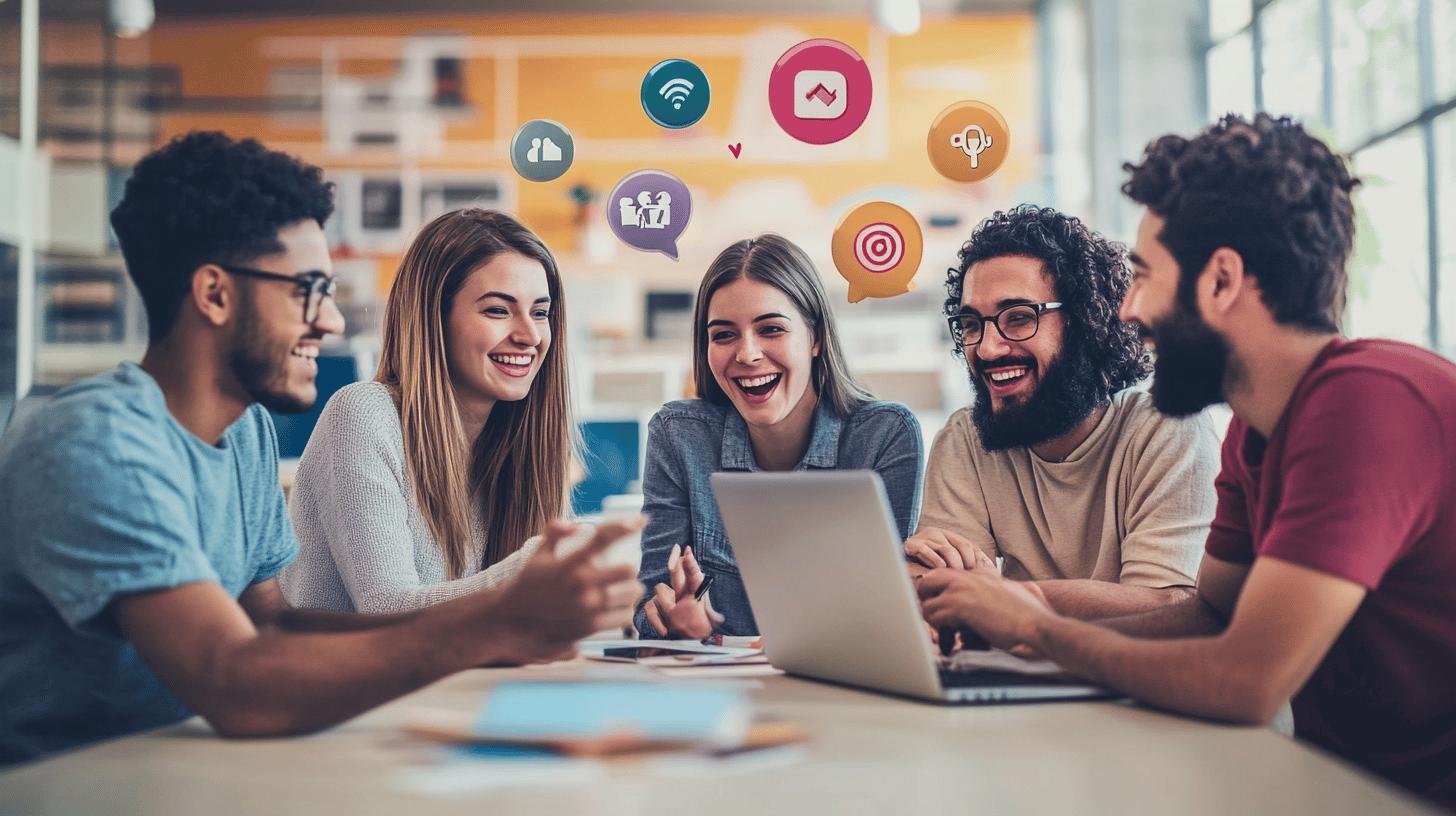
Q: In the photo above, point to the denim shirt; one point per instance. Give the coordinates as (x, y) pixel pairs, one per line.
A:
(689, 440)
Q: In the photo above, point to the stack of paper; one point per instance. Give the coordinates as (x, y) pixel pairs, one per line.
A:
(643, 711)
(607, 718)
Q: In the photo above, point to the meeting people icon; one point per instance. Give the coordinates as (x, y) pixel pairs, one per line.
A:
(645, 213)
(648, 210)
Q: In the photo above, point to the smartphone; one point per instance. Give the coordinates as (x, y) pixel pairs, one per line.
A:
(640, 652)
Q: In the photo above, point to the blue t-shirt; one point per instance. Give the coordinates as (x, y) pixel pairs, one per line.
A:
(103, 494)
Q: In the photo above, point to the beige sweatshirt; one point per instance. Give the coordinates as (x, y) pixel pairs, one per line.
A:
(1132, 504)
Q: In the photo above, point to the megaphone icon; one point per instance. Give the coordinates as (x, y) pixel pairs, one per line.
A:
(972, 146)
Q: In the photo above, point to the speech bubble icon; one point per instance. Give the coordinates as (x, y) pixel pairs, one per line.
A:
(877, 248)
(648, 211)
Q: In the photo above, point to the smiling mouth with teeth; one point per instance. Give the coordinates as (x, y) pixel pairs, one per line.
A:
(1007, 375)
(512, 359)
(758, 386)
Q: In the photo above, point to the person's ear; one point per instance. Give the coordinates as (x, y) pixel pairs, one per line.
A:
(1220, 284)
(212, 294)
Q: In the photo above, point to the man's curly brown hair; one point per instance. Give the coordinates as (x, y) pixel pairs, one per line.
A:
(1089, 274)
(1266, 189)
(207, 198)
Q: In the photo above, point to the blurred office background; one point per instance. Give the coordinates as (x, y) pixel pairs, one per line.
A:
(409, 107)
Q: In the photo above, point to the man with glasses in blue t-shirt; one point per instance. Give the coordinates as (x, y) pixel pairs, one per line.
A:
(143, 521)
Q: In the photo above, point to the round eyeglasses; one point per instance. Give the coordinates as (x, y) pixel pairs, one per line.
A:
(1016, 322)
(314, 286)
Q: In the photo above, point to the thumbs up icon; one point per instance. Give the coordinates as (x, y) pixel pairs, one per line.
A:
(543, 149)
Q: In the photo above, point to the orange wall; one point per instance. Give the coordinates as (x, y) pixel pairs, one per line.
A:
(597, 97)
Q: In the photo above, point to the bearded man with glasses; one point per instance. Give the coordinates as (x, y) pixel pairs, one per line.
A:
(1062, 466)
(1330, 572)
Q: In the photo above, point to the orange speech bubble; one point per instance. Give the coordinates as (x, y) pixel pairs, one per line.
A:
(877, 248)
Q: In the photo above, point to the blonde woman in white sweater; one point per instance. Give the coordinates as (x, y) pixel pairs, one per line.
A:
(427, 483)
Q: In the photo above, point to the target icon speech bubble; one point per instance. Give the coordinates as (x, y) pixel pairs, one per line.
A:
(877, 248)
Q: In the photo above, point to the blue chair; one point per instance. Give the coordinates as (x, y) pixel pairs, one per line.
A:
(335, 372)
(612, 462)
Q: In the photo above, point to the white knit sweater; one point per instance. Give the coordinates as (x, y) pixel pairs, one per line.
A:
(363, 545)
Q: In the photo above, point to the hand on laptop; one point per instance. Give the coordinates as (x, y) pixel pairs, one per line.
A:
(558, 599)
(674, 610)
(1003, 612)
(936, 548)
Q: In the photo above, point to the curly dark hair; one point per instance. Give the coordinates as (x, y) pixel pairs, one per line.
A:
(1266, 189)
(1090, 276)
(206, 198)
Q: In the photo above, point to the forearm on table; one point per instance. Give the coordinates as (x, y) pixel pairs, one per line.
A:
(321, 620)
(1190, 617)
(283, 682)
(1087, 599)
(1189, 675)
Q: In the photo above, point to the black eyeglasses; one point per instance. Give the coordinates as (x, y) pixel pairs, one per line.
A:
(314, 286)
(1016, 322)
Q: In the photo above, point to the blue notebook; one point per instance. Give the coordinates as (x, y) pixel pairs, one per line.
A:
(713, 715)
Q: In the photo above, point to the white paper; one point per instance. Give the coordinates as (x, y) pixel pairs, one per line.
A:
(718, 671)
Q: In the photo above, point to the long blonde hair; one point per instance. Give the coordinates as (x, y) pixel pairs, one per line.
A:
(517, 467)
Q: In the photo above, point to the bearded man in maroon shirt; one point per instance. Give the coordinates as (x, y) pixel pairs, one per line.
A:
(1330, 571)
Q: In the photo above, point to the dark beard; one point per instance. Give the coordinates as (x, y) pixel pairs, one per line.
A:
(1067, 394)
(259, 368)
(1191, 366)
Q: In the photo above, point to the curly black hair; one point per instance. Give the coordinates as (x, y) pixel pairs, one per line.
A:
(207, 198)
(1090, 275)
(1266, 189)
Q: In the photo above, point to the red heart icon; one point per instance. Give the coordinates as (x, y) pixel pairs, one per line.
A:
(735, 149)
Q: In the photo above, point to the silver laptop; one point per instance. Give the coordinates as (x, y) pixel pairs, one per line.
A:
(825, 571)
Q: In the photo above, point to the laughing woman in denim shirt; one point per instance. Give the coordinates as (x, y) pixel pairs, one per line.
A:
(774, 394)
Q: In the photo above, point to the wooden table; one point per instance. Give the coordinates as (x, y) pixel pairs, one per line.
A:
(868, 754)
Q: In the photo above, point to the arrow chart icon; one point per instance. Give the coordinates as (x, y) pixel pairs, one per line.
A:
(825, 96)
(819, 94)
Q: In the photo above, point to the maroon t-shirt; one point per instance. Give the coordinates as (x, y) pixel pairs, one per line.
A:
(1358, 480)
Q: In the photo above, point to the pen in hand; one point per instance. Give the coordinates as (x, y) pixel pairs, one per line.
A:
(703, 587)
(715, 639)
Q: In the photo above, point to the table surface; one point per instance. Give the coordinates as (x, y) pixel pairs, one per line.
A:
(867, 753)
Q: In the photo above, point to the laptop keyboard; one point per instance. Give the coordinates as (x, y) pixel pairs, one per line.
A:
(976, 678)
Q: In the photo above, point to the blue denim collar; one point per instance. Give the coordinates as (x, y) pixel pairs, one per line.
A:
(823, 451)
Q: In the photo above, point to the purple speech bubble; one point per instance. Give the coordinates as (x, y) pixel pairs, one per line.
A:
(648, 211)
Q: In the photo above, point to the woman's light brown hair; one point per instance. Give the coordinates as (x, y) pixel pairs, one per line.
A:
(778, 262)
(516, 469)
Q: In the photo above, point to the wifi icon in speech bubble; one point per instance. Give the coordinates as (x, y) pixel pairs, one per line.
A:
(675, 93)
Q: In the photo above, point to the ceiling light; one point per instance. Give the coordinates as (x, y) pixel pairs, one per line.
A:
(901, 17)
(131, 18)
